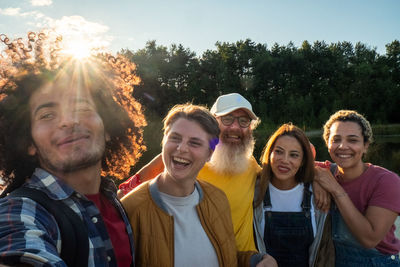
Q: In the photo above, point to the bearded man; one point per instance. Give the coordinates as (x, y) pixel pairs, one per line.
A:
(232, 167)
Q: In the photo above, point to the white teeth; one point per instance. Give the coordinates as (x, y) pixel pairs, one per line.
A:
(344, 156)
(233, 136)
(181, 160)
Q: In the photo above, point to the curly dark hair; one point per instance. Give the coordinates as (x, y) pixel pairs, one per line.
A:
(28, 65)
(352, 116)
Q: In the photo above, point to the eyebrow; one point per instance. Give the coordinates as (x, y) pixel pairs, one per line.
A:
(350, 135)
(53, 104)
(190, 139)
(174, 133)
(196, 139)
(298, 151)
(354, 135)
(45, 105)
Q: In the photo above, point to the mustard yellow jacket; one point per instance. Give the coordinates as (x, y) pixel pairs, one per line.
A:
(153, 227)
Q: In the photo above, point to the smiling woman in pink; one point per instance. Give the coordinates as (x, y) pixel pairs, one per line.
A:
(176, 219)
(366, 196)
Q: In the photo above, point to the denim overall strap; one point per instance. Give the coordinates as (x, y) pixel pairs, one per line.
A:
(306, 203)
(288, 235)
(349, 252)
(267, 199)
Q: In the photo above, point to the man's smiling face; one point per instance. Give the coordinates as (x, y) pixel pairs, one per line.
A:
(67, 132)
(234, 134)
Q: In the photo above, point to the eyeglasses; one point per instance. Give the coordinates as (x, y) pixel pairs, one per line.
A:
(243, 121)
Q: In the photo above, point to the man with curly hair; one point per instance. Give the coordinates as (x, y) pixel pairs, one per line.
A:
(66, 127)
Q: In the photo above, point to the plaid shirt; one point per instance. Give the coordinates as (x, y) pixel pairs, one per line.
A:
(29, 234)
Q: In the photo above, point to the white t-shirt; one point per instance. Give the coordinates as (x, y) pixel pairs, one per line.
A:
(192, 245)
(288, 201)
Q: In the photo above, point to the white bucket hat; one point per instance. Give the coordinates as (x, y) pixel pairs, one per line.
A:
(227, 103)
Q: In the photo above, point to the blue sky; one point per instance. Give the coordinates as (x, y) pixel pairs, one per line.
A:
(199, 24)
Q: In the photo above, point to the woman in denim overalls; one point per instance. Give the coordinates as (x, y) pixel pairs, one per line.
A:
(366, 196)
(285, 220)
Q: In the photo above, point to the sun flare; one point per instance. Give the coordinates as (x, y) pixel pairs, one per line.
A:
(78, 49)
(81, 38)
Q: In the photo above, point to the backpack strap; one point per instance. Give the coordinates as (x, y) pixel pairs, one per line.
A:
(74, 234)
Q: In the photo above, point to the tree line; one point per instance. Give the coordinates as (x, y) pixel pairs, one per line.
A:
(303, 85)
(284, 83)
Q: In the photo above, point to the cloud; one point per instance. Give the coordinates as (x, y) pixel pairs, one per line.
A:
(70, 27)
(78, 24)
(16, 12)
(78, 28)
(10, 11)
(41, 2)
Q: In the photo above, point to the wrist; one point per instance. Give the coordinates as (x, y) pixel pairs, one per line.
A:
(339, 194)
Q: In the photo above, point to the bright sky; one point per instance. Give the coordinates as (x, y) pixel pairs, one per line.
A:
(199, 24)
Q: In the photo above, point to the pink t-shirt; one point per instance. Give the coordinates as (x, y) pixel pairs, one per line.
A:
(378, 187)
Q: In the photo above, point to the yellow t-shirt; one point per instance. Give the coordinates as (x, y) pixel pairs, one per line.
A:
(240, 192)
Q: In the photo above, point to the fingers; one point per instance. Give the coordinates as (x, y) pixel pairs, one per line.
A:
(320, 203)
(317, 200)
(327, 206)
(267, 261)
(325, 202)
(322, 198)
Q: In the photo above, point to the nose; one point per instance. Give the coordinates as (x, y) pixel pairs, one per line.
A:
(235, 123)
(285, 157)
(342, 144)
(68, 118)
(182, 147)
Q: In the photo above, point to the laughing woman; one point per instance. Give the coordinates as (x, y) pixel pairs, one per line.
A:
(366, 196)
(176, 219)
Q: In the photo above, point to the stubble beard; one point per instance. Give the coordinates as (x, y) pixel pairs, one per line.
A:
(231, 158)
(76, 161)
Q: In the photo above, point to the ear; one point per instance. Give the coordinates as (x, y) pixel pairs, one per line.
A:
(210, 154)
(366, 145)
(32, 150)
(107, 136)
